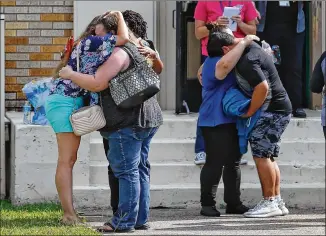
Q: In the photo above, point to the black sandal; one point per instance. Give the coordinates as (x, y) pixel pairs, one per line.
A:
(105, 229)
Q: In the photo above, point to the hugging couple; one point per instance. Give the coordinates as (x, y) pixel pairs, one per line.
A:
(107, 48)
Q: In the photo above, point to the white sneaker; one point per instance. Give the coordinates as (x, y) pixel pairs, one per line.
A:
(243, 162)
(264, 209)
(200, 158)
(255, 208)
(282, 207)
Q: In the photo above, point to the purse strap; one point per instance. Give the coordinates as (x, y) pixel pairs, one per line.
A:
(134, 54)
(78, 70)
(77, 48)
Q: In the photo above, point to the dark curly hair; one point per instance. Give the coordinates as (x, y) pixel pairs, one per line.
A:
(135, 23)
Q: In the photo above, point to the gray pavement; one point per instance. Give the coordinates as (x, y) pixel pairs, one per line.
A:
(189, 222)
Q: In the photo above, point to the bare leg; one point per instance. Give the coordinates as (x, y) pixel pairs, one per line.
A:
(278, 179)
(68, 144)
(267, 176)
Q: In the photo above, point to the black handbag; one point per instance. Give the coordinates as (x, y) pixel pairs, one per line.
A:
(137, 84)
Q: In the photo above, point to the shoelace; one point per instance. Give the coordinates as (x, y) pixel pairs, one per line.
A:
(260, 204)
(201, 156)
(280, 203)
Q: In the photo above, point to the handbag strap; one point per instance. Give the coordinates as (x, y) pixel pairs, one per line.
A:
(77, 48)
(133, 53)
(78, 70)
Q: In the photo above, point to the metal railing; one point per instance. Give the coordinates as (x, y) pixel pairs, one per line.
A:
(2, 108)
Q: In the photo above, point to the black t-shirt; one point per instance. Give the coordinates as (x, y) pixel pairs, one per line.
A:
(281, 16)
(256, 66)
(318, 79)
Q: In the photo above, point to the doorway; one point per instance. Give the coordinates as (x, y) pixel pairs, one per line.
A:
(188, 58)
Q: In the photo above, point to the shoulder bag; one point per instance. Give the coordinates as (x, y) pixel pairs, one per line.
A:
(135, 85)
(89, 118)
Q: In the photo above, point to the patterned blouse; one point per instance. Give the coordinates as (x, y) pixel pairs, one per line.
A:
(93, 52)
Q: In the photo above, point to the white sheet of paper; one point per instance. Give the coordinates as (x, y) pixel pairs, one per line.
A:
(229, 12)
(284, 3)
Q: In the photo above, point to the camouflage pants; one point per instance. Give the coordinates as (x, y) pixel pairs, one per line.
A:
(266, 135)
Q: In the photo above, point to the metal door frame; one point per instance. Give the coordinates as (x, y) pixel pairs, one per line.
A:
(179, 62)
(323, 6)
(181, 50)
(2, 107)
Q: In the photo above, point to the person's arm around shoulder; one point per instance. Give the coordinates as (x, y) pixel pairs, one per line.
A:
(118, 61)
(228, 61)
(122, 34)
(153, 55)
(317, 81)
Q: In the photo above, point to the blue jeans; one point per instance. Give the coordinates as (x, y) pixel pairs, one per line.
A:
(199, 144)
(128, 158)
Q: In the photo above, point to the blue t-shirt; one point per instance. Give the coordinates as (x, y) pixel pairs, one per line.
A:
(211, 111)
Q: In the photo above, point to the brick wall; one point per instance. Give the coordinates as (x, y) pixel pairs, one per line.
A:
(36, 32)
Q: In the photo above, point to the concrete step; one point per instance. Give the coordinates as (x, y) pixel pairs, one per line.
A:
(182, 150)
(307, 196)
(184, 127)
(183, 173)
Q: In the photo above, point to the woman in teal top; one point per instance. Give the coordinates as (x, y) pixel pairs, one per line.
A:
(66, 97)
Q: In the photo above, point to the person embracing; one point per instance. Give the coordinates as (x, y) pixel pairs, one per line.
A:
(129, 131)
(66, 97)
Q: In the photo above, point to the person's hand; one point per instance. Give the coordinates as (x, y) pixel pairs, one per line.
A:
(249, 38)
(246, 115)
(237, 19)
(66, 72)
(258, 17)
(199, 76)
(146, 51)
(115, 12)
(111, 13)
(222, 20)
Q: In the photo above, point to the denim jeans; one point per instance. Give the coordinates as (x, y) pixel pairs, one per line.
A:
(128, 156)
(114, 181)
(199, 144)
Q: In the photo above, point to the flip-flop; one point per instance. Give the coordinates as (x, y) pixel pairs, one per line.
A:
(108, 228)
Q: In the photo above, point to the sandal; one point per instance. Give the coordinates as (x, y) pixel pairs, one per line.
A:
(108, 228)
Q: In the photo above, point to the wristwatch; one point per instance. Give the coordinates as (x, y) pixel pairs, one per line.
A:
(209, 26)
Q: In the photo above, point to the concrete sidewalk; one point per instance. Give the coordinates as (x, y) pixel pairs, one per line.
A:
(189, 222)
